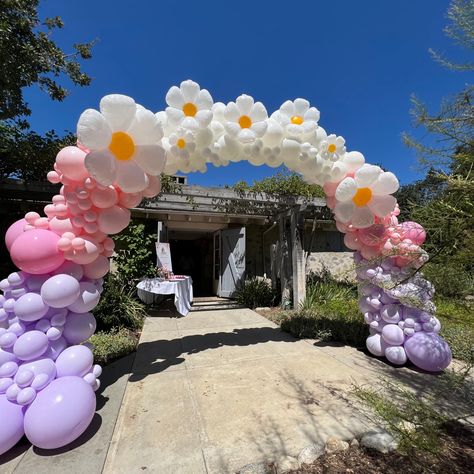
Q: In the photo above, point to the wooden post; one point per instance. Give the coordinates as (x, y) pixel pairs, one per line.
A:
(298, 257)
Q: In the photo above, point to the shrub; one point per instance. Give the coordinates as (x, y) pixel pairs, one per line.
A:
(117, 307)
(335, 320)
(112, 345)
(450, 279)
(255, 292)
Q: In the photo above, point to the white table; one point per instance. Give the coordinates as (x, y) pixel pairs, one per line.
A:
(182, 290)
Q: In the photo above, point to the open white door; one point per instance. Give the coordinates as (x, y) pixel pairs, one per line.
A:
(232, 261)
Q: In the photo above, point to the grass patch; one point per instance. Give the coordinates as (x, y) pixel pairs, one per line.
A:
(109, 346)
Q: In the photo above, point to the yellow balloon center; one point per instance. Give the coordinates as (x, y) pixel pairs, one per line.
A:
(332, 148)
(181, 143)
(122, 146)
(189, 109)
(362, 197)
(296, 119)
(245, 121)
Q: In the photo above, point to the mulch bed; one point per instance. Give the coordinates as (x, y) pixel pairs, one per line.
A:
(456, 456)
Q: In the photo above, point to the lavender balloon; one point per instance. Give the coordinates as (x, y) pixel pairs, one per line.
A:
(428, 351)
(11, 424)
(60, 290)
(60, 413)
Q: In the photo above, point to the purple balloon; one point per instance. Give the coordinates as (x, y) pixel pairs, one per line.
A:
(35, 282)
(6, 356)
(79, 327)
(428, 351)
(30, 307)
(60, 413)
(75, 360)
(12, 424)
(396, 355)
(88, 298)
(393, 334)
(70, 268)
(31, 345)
(375, 344)
(55, 348)
(40, 366)
(60, 290)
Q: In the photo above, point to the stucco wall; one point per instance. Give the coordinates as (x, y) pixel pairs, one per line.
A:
(340, 264)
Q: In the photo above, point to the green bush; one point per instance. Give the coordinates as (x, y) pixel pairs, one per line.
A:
(254, 293)
(335, 320)
(118, 307)
(112, 345)
(450, 279)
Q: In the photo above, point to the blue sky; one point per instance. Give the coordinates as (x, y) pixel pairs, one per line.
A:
(358, 62)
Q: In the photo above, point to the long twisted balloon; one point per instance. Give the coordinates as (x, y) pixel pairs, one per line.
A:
(47, 374)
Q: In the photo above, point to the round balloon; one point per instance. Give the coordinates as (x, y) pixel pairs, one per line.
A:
(30, 345)
(12, 424)
(428, 351)
(70, 162)
(15, 230)
(113, 220)
(36, 251)
(30, 307)
(75, 360)
(60, 413)
(60, 290)
(88, 298)
(79, 327)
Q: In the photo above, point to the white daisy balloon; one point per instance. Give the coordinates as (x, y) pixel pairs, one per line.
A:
(366, 195)
(332, 148)
(124, 143)
(245, 119)
(297, 118)
(189, 106)
(182, 143)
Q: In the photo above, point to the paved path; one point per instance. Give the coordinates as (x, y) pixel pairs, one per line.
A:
(217, 390)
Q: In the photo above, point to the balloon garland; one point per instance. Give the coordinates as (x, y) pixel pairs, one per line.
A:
(47, 374)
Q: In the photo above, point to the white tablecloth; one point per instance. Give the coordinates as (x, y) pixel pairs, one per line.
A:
(182, 290)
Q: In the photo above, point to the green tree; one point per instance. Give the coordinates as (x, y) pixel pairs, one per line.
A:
(29, 57)
(448, 216)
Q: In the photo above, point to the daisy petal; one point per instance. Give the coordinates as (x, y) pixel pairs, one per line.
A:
(366, 175)
(301, 106)
(204, 100)
(259, 128)
(93, 131)
(101, 165)
(130, 177)
(174, 98)
(288, 108)
(346, 190)
(146, 128)
(312, 114)
(175, 116)
(258, 112)
(151, 158)
(231, 112)
(362, 218)
(119, 111)
(381, 206)
(354, 160)
(344, 210)
(294, 130)
(204, 118)
(190, 90)
(190, 123)
(309, 127)
(244, 104)
(246, 135)
(232, 128)
(387, 183)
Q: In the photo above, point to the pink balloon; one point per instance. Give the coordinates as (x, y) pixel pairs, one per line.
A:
(98, 268)
(103, 198)
(36, 251)
(414, 231)
(372, 235)
(85, 255)
(153, 188)
(113, 220)
(70, 162)
(14, 231)
(130, 200)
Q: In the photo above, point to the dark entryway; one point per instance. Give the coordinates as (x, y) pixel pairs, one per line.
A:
(192, 255)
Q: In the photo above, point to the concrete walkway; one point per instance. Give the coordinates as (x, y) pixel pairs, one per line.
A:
(216, 390)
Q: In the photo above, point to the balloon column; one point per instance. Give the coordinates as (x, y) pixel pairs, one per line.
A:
(47, 374)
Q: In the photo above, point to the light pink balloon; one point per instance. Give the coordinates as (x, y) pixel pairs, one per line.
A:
(153, 188)
(85, 255)
(372, 235)
(113, 220)
(70, 162)
(103, 198)
(15, 230)
(130, 200)
(414, 231)
(36, 251)
(98, 268)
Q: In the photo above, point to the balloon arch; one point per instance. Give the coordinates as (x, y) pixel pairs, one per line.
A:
(47, 374)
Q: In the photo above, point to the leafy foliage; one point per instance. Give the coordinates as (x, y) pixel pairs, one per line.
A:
(18, 147)
(281, 184)
(109, 346)
(254, 293)
(118, 307)
(135, 254)
(28, 56)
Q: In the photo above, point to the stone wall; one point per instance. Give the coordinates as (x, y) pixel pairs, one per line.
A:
(339, 264)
